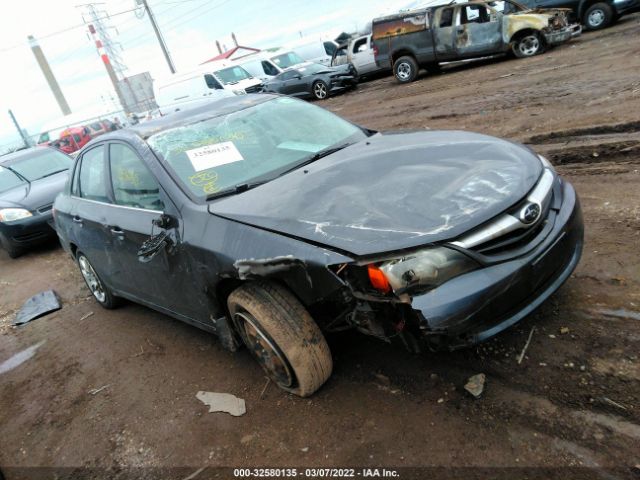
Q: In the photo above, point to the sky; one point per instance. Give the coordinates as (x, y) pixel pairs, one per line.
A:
(190, 29)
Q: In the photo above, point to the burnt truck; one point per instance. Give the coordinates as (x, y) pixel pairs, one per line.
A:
(429, 36)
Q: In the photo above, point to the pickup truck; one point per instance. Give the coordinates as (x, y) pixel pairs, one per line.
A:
(427, 36)
(359, 53)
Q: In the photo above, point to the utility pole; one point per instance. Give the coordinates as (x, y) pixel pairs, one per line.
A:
(161, 41)
(25, 139)
(48, 75)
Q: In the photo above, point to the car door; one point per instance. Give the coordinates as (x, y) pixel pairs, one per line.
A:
(478, 30)
(138, 204)
(445, 33)
(362, 55)
(89, 209)
(290, 82)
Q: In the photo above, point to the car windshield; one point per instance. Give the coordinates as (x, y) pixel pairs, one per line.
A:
(251, 145)
(9, 179)
(232, 75)
(286, 60)
(38, 164)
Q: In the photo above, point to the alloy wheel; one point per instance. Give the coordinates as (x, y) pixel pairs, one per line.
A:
(529, 45)
(264, 350)
(596, 18)
(90, 276)
(403, 72)
(320, 90)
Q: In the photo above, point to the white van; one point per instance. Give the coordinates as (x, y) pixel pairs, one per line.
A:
(213, 80)
(358, 52)
(317, 51)
(266, 65)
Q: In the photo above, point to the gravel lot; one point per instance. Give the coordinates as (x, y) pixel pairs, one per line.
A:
(574, 401)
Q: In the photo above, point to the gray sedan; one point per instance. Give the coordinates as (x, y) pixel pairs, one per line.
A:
(312, 80)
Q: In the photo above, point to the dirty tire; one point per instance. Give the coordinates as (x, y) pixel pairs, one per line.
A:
(528, 45)
(405, 69)
(287, 327)
(319, 90)
(597, 16)
(100, 291)
(12, 251)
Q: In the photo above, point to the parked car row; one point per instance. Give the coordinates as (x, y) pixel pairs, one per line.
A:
(72, 139)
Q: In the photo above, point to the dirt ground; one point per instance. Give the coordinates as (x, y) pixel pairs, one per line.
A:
(574, 401)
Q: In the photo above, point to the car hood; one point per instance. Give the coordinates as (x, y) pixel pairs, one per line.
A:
(391, 191)
(35, 195)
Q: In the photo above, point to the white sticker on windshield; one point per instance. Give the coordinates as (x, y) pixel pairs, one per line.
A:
(214, 155)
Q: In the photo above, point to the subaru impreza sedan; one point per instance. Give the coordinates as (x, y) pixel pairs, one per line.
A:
(271, 222)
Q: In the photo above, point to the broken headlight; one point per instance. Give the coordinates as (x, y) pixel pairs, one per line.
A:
(425, 269)
(13, 214)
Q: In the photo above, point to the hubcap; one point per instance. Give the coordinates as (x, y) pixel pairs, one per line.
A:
(262, 348)
(404, 71)
(90, 276)
(529, 45)
(596, 18)
(320, 90)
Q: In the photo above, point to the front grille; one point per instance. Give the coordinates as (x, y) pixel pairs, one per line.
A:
(254, 89)
(509, 236)
(30, 237)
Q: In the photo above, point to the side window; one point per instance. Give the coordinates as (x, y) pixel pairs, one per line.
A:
(446, 17)
(93, 184)
(75, 181)
(269, 69)
(289, 75)
(360, 45)
(133, 183)
(474, 14)
(212, 82)
(329, 48)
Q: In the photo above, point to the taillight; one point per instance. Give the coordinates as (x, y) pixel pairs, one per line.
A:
(378, 279)
(375, 50)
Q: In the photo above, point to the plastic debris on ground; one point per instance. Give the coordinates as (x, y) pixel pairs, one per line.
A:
(38, 306)
(223, 402)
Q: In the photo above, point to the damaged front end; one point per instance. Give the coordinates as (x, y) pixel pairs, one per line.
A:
(465, 291)
(552, 23)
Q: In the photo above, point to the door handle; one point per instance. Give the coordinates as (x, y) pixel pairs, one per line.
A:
(77, 219)
(117, 231)
(460, 29)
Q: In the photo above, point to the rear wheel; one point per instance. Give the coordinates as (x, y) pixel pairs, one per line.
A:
(282, 336)
(100, 291)
(528, 45)
(599, 15)
(320, 90)
(405, 69)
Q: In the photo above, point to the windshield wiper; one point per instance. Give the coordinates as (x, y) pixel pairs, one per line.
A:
(317, 156)
(239, 188)
(53, 173)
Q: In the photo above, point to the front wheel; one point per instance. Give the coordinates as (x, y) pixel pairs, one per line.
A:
(405, 69)
(12, 251)
(528, 45)
(100, 291)
(597, 16)
(282, 336)
(320, 90)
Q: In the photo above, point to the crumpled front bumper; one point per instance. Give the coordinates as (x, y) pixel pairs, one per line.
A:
(476, 306)
(555, 37)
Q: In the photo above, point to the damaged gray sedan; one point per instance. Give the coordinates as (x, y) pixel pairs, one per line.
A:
(270, 221)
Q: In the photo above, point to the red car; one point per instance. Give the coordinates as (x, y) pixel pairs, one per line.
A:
(72, 139)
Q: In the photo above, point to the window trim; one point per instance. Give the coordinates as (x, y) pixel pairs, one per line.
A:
(112, 192)
(80, 164)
